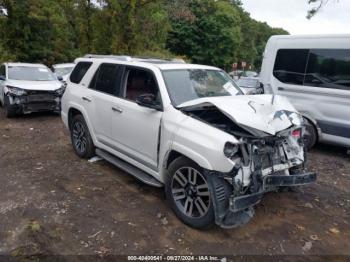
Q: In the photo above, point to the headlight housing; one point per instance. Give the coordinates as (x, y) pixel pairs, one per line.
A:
(61, 90)
(230, 149)
(16, 91)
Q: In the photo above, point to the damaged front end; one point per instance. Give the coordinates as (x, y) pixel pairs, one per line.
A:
(261, 165)
(28, 101)
(262, 162)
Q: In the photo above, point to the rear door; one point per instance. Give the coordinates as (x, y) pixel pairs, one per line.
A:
(102, 92)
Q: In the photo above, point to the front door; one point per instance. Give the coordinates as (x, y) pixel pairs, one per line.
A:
(135, 129)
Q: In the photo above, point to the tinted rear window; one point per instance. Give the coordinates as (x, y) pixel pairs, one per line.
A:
(328, 68)
(290, 65)
(79, 72)
(107, 79)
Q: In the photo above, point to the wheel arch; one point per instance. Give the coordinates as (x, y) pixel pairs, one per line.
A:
(73, 111)
(313, 122)
(173, 154)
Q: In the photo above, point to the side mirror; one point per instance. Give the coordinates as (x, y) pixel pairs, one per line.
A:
(60, 78)
(2, 78)
(148, 100)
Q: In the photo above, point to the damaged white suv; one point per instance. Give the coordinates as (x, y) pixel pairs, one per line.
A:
(188, 128)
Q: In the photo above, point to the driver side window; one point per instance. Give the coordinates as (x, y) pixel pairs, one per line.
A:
(140, 82)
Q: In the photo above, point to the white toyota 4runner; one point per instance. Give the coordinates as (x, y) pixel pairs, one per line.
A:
(188, 128)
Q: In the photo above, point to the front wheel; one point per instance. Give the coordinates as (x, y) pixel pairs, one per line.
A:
(81, 138)
(187, 190)
(10, 110)
(310, 135)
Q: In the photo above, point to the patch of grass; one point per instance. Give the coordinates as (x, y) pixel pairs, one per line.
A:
(34, 226)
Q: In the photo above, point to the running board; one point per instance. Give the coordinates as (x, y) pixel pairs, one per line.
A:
(136, 172)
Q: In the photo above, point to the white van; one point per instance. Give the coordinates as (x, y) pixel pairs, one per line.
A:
(313, 71)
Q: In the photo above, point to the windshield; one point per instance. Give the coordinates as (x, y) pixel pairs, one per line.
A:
(30, 73)
(63, 71)
(188, 84)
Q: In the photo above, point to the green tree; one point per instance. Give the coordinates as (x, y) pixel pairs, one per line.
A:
(36, 31)
(212, 37)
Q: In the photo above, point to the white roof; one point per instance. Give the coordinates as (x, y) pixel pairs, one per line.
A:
(63, 65)
(311, 36)
(185, 66)
(27, 65)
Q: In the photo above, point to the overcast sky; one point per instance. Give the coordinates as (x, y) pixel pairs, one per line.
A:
(291, 15)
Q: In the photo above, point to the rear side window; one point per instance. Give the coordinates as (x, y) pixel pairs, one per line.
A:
(79, 72)
(329, 68)
(107, 79)
(290, 65)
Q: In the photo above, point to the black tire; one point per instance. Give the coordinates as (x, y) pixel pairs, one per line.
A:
(310, 136)
(202, 216)
(81, 138)
(9, 110)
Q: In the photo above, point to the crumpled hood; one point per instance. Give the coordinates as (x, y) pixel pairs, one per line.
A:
(35, 85)
(267, 113)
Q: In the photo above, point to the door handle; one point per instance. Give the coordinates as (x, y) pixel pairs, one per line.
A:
(116, 109)
(281, 88)
(86, 99)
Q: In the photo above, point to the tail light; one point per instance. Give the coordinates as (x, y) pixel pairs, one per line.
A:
(296, 133)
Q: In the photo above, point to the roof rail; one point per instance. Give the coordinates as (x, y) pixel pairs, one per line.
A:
(116, 57)
(138, 59)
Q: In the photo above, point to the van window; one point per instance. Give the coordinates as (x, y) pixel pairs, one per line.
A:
(79, 72)
(107, 79)
(329, 68)
(290, 65)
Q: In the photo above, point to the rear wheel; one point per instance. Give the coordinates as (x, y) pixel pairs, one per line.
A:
(81, 138)
(310, 135)
(187, 190)
(10, 110)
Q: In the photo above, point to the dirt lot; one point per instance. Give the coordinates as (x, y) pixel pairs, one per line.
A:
(52, 202)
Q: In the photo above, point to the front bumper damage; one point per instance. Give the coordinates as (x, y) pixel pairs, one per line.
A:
(243, 202)
(36, 101)
(263, 165)
(235, 211)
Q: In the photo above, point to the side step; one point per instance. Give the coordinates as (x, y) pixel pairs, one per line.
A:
(136, 172)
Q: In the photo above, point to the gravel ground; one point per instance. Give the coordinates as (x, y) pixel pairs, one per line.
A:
(52, 202)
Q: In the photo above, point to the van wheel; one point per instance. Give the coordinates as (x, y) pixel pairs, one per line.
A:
(10, 110)
(187, 190)
(81, 138)
(310, 135)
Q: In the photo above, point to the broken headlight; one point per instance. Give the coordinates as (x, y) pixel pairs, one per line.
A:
(61, 90)
(16, 91)
(230, 149)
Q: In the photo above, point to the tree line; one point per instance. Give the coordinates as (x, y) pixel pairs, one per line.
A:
(213, 32)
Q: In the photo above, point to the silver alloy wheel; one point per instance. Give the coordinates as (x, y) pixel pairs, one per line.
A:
(79, 137)
(190, 192)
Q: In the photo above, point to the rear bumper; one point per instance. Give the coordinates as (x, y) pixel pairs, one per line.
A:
(243, 202)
